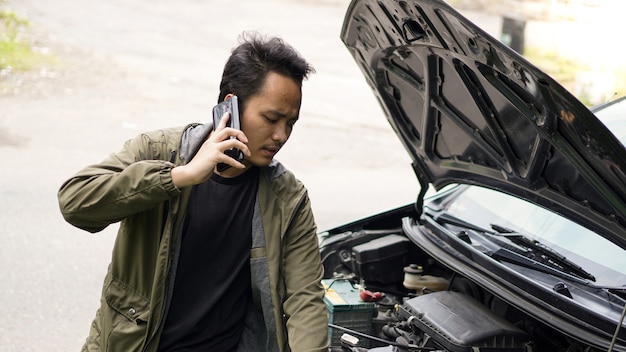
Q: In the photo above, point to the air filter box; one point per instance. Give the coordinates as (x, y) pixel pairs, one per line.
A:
(459, 323)
(382, 260)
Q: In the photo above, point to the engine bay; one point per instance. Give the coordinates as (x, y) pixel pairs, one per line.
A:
(383, 293)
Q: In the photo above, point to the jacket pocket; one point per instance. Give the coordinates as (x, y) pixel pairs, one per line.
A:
(129, 316)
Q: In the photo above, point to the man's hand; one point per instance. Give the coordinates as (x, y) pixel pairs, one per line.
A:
(200, 168)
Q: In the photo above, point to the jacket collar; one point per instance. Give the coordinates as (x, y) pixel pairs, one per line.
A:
(193, 137)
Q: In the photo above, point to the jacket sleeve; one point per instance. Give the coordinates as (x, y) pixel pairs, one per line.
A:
(304, 308)
(130, 181)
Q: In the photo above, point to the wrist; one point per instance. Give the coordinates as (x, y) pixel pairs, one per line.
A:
(180, 177)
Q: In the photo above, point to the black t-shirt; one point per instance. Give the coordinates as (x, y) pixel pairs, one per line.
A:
(212, 286)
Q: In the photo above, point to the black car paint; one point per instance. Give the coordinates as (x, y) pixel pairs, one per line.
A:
(471, 111)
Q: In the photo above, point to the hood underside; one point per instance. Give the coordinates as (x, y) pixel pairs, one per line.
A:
(470, 110)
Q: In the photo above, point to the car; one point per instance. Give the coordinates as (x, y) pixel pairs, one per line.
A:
(520, 244)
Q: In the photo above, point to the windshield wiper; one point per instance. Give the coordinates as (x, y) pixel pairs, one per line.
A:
(507, 255)
(448, 219)
(532, 250)
(539, 252)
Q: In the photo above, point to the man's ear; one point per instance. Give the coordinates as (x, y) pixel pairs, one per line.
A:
(228, 96)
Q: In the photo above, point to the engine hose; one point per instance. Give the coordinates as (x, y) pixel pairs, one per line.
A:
(411, 347)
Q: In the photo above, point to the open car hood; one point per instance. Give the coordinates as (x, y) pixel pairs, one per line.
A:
(470, 110)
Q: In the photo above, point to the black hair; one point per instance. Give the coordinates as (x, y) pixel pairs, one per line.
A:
(255, 57)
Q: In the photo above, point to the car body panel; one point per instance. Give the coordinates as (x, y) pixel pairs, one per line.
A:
(475, 115)
(470, 110)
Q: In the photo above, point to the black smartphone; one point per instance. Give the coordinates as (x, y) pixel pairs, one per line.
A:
(231, 106)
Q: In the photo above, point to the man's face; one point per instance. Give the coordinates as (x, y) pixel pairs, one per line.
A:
(268, 117)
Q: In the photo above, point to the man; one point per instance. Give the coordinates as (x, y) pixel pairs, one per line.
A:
(207, 260)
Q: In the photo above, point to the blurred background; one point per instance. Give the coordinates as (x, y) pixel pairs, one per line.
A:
(78, 78)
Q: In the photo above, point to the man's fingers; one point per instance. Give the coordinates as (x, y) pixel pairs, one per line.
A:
(232, 162)
(223, 121)
(241, 136)
(225, 134)
(236, 144)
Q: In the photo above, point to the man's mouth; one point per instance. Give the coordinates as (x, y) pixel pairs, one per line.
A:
(271, 151)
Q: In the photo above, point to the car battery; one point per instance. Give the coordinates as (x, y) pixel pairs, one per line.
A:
(346, 309)
(382, 260)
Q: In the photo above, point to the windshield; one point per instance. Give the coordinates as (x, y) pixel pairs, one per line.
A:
(484, 208)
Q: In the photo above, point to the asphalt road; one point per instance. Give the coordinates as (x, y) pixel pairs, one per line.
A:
(126, 66)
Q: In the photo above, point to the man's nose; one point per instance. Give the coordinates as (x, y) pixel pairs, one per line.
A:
(281, 133)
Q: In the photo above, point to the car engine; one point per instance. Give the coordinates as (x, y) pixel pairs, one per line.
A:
(383, 293)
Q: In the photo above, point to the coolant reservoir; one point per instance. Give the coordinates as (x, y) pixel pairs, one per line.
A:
(415, 280)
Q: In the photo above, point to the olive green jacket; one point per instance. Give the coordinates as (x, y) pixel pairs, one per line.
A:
(134, 186)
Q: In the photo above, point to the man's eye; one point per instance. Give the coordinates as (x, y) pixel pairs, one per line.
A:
(270, 120)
